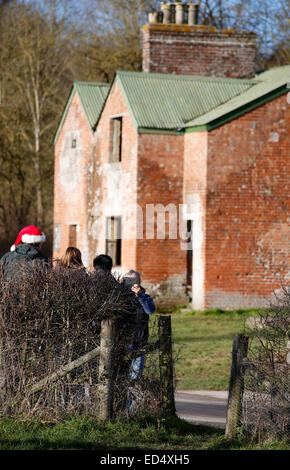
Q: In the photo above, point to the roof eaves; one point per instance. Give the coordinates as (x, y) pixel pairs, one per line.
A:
(127, 101)
(150, 130)
(110, 86)
(67, 105)
(78, 85)
(76, 88)
(176, 77)
(117, 79)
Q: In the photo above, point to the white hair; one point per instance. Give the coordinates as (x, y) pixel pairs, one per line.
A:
(133, 273)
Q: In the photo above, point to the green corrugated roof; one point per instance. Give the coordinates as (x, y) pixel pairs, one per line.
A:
(264, 84)
(161, 101)
(93, 96)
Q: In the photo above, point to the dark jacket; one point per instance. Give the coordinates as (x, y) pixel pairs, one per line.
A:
(13, 262)
(145, 309)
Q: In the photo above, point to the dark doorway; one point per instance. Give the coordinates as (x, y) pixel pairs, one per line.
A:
(189, 255)
(72, 235)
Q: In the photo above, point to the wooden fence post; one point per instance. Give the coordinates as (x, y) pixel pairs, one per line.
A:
(106, 370)
(166, 365)
(236, 385)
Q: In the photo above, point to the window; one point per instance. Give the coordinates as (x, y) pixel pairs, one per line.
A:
(116, 153)
(74, 143)
(113, 239)
(72, 235)
(57, 237)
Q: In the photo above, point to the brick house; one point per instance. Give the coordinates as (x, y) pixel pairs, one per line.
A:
(181, 171)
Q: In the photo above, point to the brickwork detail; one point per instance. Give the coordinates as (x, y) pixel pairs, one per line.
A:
(161, 262)
(247, 211)
(195, 50)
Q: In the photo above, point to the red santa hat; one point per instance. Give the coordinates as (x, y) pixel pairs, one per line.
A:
(30, 234)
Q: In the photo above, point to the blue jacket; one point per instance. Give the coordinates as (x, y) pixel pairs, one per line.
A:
(147, 303)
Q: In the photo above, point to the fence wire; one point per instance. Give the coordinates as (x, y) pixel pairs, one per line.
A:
(264, 387)
(266, 400)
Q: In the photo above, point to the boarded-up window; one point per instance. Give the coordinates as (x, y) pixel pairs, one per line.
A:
(72, 235)
(116, 154)
(113, 239)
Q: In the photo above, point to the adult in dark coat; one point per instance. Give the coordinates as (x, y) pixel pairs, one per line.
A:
(24, 253)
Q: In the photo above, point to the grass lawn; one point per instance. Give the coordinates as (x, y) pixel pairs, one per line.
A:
(203, 344)
(85, 434)
(203, 347)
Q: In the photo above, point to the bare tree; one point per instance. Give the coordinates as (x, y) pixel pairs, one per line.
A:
(35, 50)
(113, 37)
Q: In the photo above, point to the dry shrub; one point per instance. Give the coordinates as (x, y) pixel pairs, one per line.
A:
(50, 317)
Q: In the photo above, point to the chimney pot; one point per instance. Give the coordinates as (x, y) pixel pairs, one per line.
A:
(193, 10)
(166, 10)
(153, 17)
(179, 13)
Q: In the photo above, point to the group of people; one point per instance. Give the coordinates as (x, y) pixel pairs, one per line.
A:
(27, 251)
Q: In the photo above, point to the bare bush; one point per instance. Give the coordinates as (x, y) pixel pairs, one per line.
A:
(267, 397)
(50, 331)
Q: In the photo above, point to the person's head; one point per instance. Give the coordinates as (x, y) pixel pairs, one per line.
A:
(103, 262)
(72, 258)
(29, 235)
(131, 278)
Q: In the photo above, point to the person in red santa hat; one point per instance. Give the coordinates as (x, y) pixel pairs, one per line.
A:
(25, 251)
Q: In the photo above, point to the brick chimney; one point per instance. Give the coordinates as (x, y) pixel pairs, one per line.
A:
(174, 42)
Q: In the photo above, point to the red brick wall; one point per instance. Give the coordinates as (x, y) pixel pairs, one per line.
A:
(234, 179)
(247, 218)
(70, 180)
(198, 50)
(161, 262)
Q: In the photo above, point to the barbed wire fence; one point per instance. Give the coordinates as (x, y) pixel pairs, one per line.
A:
(259, 395)
(64, 348)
